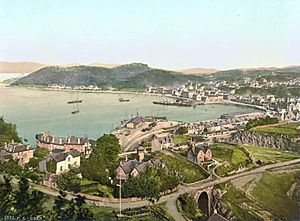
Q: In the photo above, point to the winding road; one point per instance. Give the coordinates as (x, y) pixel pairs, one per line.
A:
(170, 199)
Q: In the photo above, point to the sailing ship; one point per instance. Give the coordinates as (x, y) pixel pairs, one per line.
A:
(75, 105)
(123, 100)
(75, 101)
(76, 110)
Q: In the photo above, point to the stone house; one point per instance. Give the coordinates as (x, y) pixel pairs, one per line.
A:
(131, 168)
(63, 161)
(17, 151)
(199, 154)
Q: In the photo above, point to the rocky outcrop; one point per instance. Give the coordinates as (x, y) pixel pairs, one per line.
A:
(281, 141)
(221, 207)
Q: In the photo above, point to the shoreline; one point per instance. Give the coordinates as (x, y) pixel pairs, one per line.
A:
(88, 91)
(42, 88)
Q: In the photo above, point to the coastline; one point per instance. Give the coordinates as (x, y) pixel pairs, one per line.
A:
(118, 92)
(87, 91)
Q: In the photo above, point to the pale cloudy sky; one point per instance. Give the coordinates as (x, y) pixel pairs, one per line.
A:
(162, 33)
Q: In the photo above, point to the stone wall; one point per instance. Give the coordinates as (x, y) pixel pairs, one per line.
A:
(279, 141)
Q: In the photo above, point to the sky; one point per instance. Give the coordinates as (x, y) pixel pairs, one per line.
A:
(162, 33)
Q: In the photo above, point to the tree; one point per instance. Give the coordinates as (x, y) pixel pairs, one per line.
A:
(11, 167)
(8, 132)
(33, 163)
(71, 210)
(103, 160)
(69, 181)
(28, 203)
(6, 196)
(262, 121)
(51, 166)
(181, 130)
(146, 186)
(40, 152)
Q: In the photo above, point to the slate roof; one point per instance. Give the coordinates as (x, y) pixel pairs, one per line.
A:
(198, 148)
(142, 166)
(136, 120)
(129, 166)
(16, 147)
(58, 157)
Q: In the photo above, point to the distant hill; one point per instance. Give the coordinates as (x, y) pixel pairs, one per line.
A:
(20, 67)
(199, 71)
(135, 75)
(104, 65)
(29, 67)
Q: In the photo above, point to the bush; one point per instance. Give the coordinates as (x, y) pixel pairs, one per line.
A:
(51, 166)
(259, 122)
(181, 130)
(11, 167)
(40, 152)
(69, 181)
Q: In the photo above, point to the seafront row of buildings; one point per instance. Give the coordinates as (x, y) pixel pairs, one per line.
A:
(285, 107)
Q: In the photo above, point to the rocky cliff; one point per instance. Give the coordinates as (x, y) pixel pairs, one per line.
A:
(282, 142)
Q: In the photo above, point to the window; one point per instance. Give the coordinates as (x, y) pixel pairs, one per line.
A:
(69, 158)
(61, 168)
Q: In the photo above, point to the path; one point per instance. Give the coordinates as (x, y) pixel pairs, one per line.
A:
(171, 198)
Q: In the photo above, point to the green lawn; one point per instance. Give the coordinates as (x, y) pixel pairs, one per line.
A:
(268, 155)
(271, 191)
(95, 189)
(286, 129)
(180, 138)
(188, 170)
(233, 156)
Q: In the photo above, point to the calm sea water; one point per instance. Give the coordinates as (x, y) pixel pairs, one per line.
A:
(35, 111)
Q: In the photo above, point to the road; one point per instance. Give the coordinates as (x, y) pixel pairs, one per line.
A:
(137, 136)
(170, 199)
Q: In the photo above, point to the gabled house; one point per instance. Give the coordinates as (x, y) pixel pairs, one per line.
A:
(16, 151)
(199, 154)
(60, 162)
(134, 122)
(131, 168)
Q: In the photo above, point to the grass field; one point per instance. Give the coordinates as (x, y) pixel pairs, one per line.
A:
(180, 138)
(286, 129)
(268, 155)
(188, 170)
(271, 191)
(233, 156)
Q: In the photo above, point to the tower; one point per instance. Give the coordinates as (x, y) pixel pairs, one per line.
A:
(140, 153)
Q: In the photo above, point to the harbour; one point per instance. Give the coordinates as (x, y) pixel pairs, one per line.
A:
(36, 110)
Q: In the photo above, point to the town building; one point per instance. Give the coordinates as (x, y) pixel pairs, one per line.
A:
(16, 151)
(161, 141)
(134, 123)
(133, 168)
(63, 161)
(52, 142)
(199, 154)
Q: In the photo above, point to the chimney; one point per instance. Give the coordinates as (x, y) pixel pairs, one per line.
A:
(69, 139)
(12, 141)
(78, 140)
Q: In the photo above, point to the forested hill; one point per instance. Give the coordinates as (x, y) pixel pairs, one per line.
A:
(135, 75)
